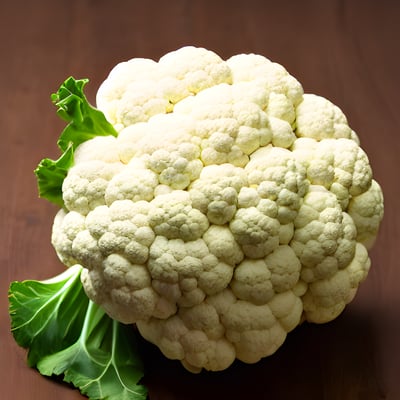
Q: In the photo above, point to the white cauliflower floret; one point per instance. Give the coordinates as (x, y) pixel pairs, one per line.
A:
(122, 228)
(215, 192)
(130, 93)
(184, 337)
(324, 236)
(104, 148)
(340, 165)
(230, 207)
(135, 182)
(256, 231)
(66, 227)
(184, 273)
(86, 183)
(318, 118)
(325, 242)
(278, 176)
(123, 289)
(326, 298)
(167, 147)
(198, 68)
(173, 216)
(138, 89)
(257, 281)
(222, 244)
(283, 90)
(366, 210)
(231, 126)
(255, 331)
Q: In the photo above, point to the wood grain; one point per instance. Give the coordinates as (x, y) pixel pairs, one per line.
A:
(347, 51)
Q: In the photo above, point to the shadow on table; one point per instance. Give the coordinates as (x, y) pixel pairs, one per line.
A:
(334, 361)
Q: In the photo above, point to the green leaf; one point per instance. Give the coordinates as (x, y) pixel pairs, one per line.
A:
(66, 334)
(46, 316)
(99, 359)
(50, 176)
(84, 123)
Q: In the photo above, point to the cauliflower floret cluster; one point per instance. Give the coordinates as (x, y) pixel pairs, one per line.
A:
(230, 207)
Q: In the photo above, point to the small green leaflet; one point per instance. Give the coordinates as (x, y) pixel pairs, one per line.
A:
(84, 123)
(67, 334)
(50, 176)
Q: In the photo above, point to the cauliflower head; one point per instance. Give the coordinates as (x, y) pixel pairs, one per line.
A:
(230, 207)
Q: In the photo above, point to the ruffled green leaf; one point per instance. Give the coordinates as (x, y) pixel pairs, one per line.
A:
(50, 176)
(68, 335)
(84, 123)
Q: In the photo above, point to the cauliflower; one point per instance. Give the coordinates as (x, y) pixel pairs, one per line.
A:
(228, 208)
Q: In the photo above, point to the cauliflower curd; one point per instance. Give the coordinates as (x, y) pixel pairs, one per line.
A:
(230, 207)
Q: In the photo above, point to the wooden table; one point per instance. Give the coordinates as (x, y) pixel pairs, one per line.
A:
(347, 51)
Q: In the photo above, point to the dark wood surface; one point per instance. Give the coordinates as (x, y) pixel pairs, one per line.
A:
(347, 51)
